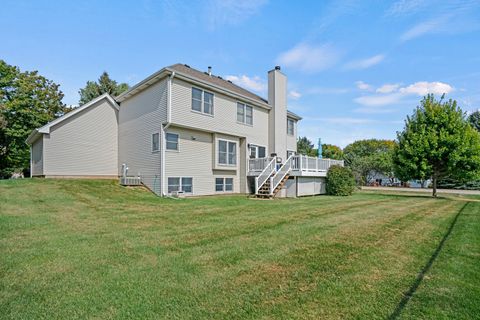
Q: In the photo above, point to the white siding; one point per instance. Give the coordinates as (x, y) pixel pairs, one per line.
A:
(37, 157)
(292, 140)
(224, 119)
(140, 117)
(195, 158)
(85, 144)
(308, 186)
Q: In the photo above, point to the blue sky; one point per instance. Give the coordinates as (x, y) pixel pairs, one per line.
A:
(355, 68)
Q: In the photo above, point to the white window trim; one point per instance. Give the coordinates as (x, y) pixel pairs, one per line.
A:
(180, 185)
(203, 102)
(257, 145)
(223, 185)
(151, 142)
(293, 126)
(178, 142)
(217, 151)
(244, 122)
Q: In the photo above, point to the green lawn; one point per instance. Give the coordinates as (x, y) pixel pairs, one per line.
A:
(92, 249)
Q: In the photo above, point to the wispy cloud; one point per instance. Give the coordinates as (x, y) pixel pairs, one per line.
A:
(430, 26)
(405, 7)
(387, 88)
(309, 58)
(390, 94)
(295, 95)
(326, 90)
(363, 86)
(255, 83)
(231, 12)
(364, 63)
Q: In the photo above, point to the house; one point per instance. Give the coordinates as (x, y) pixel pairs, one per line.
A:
(184, 131)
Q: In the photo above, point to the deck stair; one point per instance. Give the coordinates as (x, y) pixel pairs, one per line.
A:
(272, 180)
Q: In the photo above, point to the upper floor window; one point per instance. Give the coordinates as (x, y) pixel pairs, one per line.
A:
(172, 141)
(155, 142)
(202, 101)
(244, 113)
(290, 127)
(227, 152)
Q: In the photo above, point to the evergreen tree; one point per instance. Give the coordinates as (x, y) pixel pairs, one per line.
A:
(94, 89)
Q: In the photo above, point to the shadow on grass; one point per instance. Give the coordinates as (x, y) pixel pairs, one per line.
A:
(411, 291)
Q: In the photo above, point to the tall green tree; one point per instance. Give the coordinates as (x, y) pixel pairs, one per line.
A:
(104, 84)
(331, 151)
(437, 142)
(368, 157)
(305, 146)
(474, 119)
(27, 101)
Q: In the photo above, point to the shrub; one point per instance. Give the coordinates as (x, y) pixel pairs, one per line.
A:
(340, 181)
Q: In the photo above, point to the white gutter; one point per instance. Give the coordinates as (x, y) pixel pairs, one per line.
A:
(165, 127)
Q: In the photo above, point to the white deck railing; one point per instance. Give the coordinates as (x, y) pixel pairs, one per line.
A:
(299, 163)
(281, 173)
(266, 173)
(311, 164)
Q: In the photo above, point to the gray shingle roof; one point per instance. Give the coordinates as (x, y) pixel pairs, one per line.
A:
(215, 80)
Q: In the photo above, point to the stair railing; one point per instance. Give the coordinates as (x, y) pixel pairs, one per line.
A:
(265, 174)
(281, 173)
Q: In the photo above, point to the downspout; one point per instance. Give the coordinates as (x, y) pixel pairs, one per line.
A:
(165, 127)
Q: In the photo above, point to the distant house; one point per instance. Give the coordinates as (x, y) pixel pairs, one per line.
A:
(183, 131)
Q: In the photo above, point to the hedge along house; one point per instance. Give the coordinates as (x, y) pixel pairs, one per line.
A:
(183, 131)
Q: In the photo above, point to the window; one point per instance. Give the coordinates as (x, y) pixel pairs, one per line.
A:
(180, 184)
(172, 141)
(290, 127)
(257, 151)
(223, 184)
(289, 153)
(244, 113)
(227, 152)
(202, 101)
(155, 142)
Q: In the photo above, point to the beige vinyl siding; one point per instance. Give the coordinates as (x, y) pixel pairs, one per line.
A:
(85, 144)
(224, 118)
(37, 157)
(292, 140)
(195, 158)
(140, 117)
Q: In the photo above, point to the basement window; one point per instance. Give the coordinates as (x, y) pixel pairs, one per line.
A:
(223, 184)
(184, 184)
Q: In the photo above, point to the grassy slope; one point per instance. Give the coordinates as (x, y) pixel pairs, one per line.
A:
(75, 249)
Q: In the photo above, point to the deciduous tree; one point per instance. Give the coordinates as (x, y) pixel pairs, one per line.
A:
(331, 151)
(437, 142)
(27, 101)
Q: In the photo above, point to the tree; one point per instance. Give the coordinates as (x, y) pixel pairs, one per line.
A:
(437, 142)
(474, 120)
(104, 85)
(27, 101)
(305, 147)
(368, 157)
(331, 151)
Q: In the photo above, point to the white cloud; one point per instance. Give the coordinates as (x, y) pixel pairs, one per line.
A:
(363, 86)
(309, 58)
(364, 63)
(294, 94)
(378, 100)
(422, 88)
(388, 88)
(426, 27)
(231, 12)
(392, 93)
(347, 120)
(255, 83)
